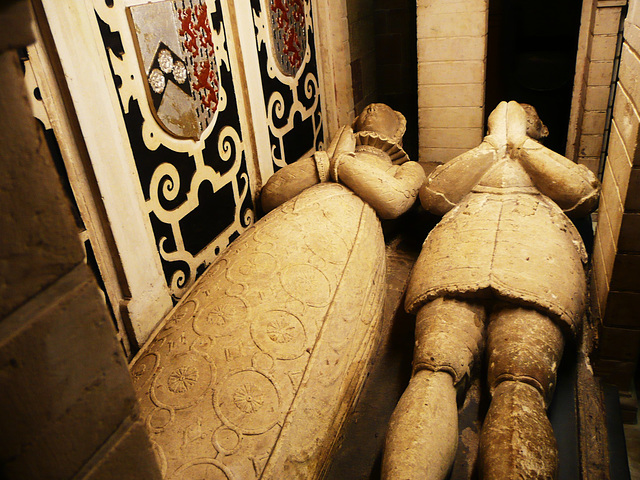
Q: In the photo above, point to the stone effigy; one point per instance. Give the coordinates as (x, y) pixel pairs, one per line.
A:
(254, 372)
(505, 263)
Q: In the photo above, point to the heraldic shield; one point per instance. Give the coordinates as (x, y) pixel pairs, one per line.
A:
(289, 34)
(177, 57)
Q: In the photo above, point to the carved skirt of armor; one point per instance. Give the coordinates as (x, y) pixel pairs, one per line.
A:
(518, 247)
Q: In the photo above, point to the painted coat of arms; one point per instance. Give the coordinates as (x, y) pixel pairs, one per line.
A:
(177, 58)
(286, 47)
(289, 33)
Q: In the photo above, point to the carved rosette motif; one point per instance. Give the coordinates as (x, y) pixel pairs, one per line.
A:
(280, 334)
(173, 71)
(269, 347)
(249, 402)
(184, 382)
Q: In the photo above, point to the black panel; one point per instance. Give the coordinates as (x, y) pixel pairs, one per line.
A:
(161, 231)
(215, 211)
(246, 210)
(148, 160)
(209, 219)
(301, 138)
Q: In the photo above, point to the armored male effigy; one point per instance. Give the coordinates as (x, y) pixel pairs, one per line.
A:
(254, 372)
(504, 266)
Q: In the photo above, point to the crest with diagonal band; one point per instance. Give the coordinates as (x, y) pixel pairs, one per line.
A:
(176, 54)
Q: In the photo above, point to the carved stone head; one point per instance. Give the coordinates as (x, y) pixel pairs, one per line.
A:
(535, 128)
(383, 120)
(517, 119)
(381, 128)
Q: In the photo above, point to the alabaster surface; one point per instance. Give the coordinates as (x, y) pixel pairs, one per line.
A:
(515, 246)
(504, 233)
(252, 374)
(502, 274)
(255, 371)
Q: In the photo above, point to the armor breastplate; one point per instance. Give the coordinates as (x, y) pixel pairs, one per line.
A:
(506, 176)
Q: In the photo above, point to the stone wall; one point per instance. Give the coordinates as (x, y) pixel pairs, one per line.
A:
(593, 81)
(616, 258)
(382, 39)
(396, 69)
(68, 406)
(360, 17)
(452, 45)
(335, 59)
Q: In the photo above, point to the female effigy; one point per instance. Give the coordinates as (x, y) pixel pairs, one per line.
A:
(254, 372)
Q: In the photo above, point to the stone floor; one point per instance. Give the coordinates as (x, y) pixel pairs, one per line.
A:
(632, 436)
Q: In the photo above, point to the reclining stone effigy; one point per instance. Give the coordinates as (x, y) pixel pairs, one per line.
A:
(255, 370)
(505, 263)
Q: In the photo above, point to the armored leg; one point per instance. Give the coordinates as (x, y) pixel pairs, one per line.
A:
(423, 431)
(524, 348)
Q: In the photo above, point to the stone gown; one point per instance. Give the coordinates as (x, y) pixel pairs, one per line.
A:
(254, 371)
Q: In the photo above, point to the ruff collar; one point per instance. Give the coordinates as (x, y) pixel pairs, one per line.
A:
(381, 142)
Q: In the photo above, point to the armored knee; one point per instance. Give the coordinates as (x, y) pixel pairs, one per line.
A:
(523, 345)
(448, 337)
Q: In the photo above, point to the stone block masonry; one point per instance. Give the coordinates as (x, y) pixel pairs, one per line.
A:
(596, 55)
(67, 401)
(65, 383)
(616, 257)
(452, 45)
(36, 223)
(361, 18)
(394, 30)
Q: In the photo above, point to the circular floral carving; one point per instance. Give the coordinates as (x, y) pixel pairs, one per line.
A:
(327, 245)
(182, 379)
(279, 334)
(280, 331)
(248, 401)
(307, 284)
(257, 265)
(223, 318)
(214, 273)
(248, 398)
(180, 316)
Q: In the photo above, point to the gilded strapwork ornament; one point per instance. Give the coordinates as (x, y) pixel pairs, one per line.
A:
(174, 68)
(285, 42)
